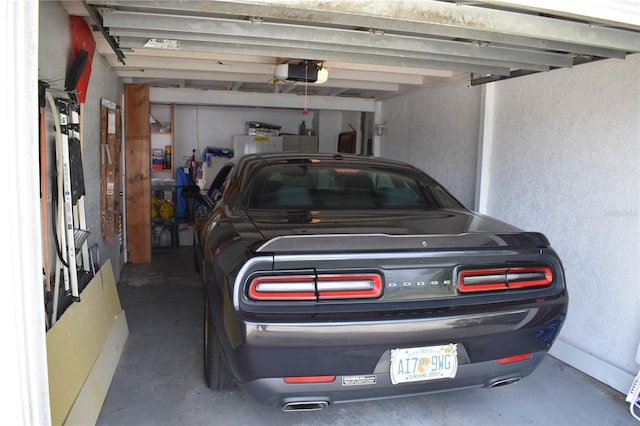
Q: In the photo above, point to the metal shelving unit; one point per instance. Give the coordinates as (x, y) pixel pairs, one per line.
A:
(164, 227)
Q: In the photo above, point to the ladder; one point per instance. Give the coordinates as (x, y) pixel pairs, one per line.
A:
(71, 237)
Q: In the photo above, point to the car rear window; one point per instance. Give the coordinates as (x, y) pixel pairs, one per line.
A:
(322, 186)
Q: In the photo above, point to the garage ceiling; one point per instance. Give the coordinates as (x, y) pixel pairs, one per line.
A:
(371, 49)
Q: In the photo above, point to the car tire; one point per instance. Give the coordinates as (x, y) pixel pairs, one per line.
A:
(196, 259)
(203, 277)
(216, 375)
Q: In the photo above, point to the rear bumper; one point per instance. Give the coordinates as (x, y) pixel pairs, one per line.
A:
(261, 354)
(263, 343)
(275, 392)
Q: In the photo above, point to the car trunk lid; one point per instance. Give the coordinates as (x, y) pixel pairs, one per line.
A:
(352, 230)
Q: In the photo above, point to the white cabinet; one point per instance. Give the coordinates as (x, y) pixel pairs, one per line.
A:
(251, 144)
(297, 143)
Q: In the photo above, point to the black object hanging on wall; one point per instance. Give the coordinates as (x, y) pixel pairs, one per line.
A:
(75, 71)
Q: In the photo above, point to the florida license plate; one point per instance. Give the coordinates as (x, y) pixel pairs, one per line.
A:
(426, 363)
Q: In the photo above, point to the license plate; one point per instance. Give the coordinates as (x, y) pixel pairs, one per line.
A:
(426, 363)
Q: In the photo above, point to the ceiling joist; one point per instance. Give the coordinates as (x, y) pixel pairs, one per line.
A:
(203, 29)
(378, 49)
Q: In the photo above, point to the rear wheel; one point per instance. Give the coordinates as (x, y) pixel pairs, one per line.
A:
(216, 375)
(202, 272)
(196, 259)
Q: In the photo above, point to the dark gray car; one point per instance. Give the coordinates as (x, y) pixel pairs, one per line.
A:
(332, 278)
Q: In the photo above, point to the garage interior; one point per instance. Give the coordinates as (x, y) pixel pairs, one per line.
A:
(525, 111)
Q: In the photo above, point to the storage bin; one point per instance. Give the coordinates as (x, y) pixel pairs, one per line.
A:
(185, 234)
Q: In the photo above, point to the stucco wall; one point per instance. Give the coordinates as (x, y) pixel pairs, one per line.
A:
(565, 160)
(436, 130)
(54, 56)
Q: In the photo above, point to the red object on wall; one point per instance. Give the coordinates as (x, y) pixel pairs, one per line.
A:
(82, 40)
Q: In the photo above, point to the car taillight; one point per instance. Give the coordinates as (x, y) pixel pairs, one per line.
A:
(529, 277)
(471, 280)
(285, 287)
(353, 286)
(320, 287)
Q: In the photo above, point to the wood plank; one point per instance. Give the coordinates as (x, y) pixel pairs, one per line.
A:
(77, 338)
(110, 208)
(87, 406)
(104, 114)
(111, 162)
(347, 142)
(137, 172)
(118, 183)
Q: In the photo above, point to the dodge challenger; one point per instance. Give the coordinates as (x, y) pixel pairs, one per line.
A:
(331, 278)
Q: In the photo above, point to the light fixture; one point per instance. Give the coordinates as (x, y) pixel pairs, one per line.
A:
(323, 76)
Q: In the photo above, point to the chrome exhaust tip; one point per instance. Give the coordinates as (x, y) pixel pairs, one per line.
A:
(305, 406)
(504, 382)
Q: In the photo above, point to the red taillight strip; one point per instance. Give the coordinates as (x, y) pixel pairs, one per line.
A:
(309, 379)
(473, 280)
(349, 286)
(514, 358)
(310, 287)
(285, 287)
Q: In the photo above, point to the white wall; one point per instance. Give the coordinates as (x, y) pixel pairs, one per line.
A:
(52, 65)
(565, 161)
(197, 127)
(54, 57)
(437, 131)
(562, 157)
(329, 126)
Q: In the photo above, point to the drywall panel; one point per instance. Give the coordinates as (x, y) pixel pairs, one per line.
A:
(565, 157)
(436, 130)
(88, 404)
(77, 338)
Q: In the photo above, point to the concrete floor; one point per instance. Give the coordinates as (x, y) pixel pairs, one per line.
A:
(159, 378)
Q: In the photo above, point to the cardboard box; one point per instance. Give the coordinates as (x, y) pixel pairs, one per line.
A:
(208, 171)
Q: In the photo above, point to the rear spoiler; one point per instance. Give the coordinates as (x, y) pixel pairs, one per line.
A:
(385, 242)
